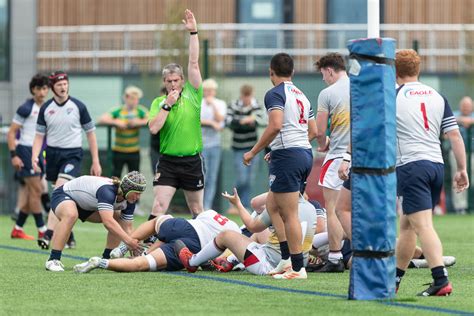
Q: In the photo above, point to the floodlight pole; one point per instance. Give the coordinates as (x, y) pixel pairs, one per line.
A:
(373, 18)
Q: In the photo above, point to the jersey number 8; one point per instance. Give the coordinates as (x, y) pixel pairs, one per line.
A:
(222, 220)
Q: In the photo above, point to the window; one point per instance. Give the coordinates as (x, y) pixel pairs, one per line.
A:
(4, 40)
(262, 11)
(337, 12)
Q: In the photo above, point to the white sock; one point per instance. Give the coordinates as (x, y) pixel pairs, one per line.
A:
(320, 239)
(104, 263)
(123, 248)
(210, 251)
(42, 229)
(18, 227)
(233, 259)
(334, 257)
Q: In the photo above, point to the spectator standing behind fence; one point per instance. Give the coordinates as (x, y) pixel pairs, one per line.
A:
(127, 120)
(213, 113)
(465, 118)
(243, 117)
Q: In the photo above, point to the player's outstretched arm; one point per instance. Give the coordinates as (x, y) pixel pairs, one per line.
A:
(254, 225)
(194, 73)
(114, 227)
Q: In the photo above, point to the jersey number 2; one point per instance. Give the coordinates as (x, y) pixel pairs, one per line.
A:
(425, 117)
(222, 220)
(301, 106)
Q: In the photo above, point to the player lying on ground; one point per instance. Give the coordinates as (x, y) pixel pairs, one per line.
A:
(259, 259)
(229, 261)
(97, 200)
(194, 233)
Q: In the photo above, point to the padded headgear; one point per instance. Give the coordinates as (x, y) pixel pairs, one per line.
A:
(56, 77)
(133, 182)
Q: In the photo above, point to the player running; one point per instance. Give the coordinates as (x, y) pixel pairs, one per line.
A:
(97, 200)
(290, 128)
(259, 259)
(195, 233)
(61, 120)
(422, 115)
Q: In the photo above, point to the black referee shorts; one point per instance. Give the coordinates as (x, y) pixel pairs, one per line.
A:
(185, 173)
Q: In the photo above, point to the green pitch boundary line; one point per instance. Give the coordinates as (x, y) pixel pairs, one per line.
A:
(263, 286)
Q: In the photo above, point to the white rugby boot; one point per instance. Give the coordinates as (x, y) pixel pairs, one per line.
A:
(85, 267)
(54, 266)
(290, 275)
(282, 267)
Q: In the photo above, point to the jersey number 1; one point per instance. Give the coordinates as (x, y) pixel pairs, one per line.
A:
(425, 117)
(301, 106)
(222, 220)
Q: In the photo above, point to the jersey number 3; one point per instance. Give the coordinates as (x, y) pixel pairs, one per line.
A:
(425, 117)
(301, 106)
(222, 220)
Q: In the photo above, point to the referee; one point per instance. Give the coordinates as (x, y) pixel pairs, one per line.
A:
(177, 117)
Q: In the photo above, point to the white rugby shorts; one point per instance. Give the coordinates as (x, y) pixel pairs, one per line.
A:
(257, 263)
(329, 177)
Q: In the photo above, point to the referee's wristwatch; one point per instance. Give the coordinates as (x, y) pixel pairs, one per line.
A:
(166, 107)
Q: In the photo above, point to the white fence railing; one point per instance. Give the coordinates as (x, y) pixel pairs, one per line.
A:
(240, 48)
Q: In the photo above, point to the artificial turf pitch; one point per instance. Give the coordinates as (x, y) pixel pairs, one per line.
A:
(26, 288)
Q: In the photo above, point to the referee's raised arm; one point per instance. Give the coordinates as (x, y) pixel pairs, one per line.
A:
(194, 73)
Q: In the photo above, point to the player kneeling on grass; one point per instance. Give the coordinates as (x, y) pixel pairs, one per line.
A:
(97, 200)
(260, 259)
(194, 233)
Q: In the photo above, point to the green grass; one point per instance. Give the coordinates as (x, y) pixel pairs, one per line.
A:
(26, 288)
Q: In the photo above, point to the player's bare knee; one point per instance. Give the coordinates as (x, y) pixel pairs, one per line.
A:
(69, 217)
(222, 238)
(158, 208)
(196, 209)
(420, 228)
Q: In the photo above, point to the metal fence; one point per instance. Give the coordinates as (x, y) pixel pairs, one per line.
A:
(239, 48)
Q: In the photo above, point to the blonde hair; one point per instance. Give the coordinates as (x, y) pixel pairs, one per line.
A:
(133, 90)
(117, 182)
(407, 63)
(246, 90)
(209, 84)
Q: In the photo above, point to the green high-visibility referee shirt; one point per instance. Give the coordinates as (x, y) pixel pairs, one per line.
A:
(181, 134)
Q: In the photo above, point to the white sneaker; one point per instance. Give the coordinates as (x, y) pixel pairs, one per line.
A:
(282, 267)
(85, 267)
(54, 266)
(290, 274)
